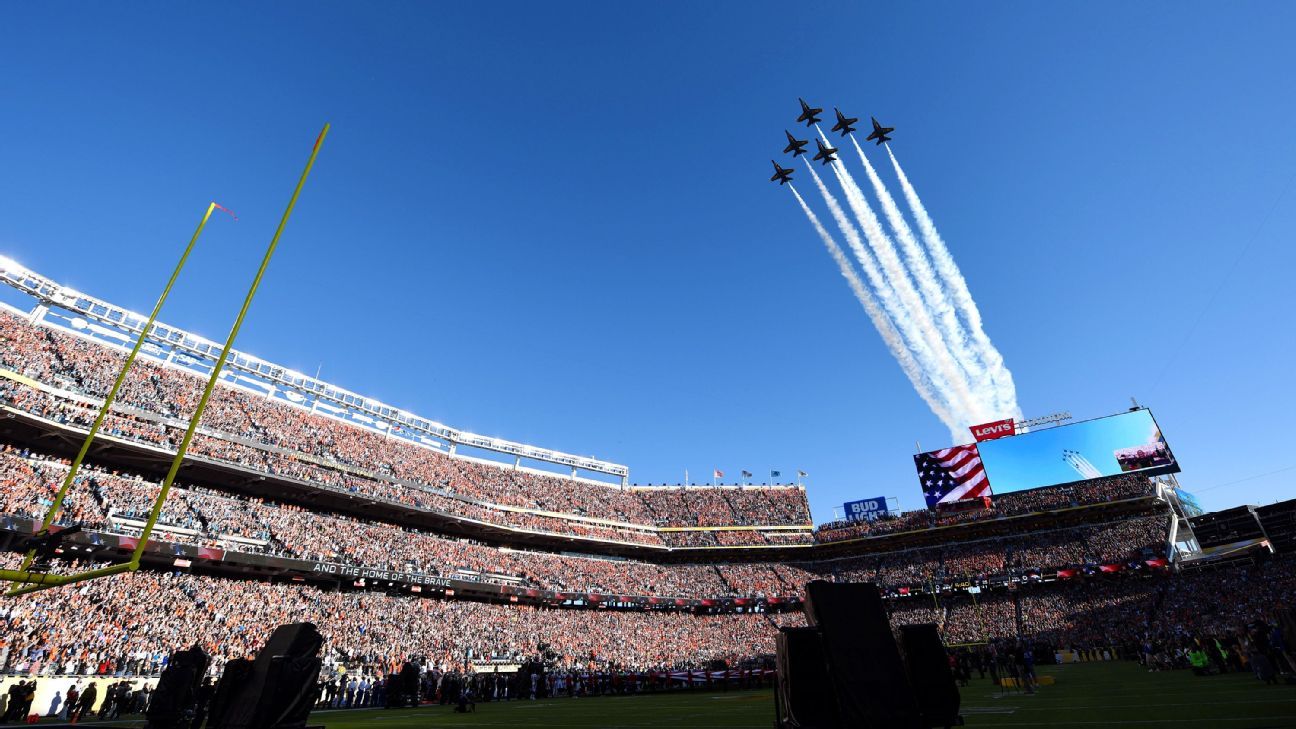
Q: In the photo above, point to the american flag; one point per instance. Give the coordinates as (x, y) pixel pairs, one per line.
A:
(953, 474)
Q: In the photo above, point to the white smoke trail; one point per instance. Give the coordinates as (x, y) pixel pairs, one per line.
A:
(957, 287)
(890, 336)
(883, 289)
(915, 314)
(900, 316)
(932, 294)
(1082, 465)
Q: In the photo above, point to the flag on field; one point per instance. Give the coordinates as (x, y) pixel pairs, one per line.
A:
(952, 474)
(775, 474)
(746, 474)
(719, 473)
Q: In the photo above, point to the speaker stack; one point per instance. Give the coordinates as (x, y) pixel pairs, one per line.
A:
(279, 688)
(846, 669)
(175, 700)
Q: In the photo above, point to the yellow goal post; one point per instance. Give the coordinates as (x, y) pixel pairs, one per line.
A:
(24, 579)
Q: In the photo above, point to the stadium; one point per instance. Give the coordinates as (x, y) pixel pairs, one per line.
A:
(527, 234)
(300, 501)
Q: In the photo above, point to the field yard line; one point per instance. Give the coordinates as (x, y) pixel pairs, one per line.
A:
(1053, 690)
(1127, 722)
(1070, 707)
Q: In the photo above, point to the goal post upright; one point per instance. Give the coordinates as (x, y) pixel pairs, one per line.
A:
(35, 581)
(52, 513)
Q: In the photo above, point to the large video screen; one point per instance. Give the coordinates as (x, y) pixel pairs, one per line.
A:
(1129, 442)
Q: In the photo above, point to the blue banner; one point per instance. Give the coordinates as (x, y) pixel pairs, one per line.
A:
(865, 508)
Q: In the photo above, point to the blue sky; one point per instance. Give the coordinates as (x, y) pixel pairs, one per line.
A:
(553, 224)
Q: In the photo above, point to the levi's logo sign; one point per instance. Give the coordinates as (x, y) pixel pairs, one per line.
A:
(997, 429)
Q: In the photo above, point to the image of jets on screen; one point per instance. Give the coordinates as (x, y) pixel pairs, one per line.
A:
(1129, 442)
(952, 474)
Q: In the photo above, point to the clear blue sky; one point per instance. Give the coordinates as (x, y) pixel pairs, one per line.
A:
(552, 222)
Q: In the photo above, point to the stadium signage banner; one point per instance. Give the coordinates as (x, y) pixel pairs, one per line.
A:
(367, 573)
(245, 561)
(865, 509)
(997, 429)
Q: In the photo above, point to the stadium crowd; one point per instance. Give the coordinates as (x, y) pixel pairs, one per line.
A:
(1094, 491)
(127, 625)
(114, 501)
(264, 434)
(117, 502)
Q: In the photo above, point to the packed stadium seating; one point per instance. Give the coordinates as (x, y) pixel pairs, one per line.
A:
(128, 623)
(279, 439)
(1096, 491)
(117, 502)
(1042, 578)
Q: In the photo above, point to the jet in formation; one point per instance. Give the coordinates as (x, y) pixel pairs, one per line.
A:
(879, 132)
(825, 153)
(795, 146)
(808, 113)
(782, 174)
(844, 123)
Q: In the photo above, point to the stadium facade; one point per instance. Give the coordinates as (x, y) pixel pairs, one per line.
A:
(303, 494)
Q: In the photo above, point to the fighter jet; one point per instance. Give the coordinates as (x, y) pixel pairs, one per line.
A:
(879, 133)
(808, 113)
(825, 153)
(844, 123)
(795, 146)
(782, 174)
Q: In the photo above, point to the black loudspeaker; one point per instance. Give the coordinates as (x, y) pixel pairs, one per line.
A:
(803, 698)
(864, 666)
(394, 698)
(282, 686)
(231, 682)
(409, 681)
(927, 665)
(175, 699)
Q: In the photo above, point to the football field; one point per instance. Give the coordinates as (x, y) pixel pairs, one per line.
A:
(1084, 695)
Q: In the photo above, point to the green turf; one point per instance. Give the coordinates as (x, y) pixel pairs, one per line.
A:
(1085, 695)
(1124, 694)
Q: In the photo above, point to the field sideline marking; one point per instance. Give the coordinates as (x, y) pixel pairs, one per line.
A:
(1124, 722)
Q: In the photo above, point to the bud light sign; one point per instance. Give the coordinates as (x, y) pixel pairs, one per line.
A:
(865, 509)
